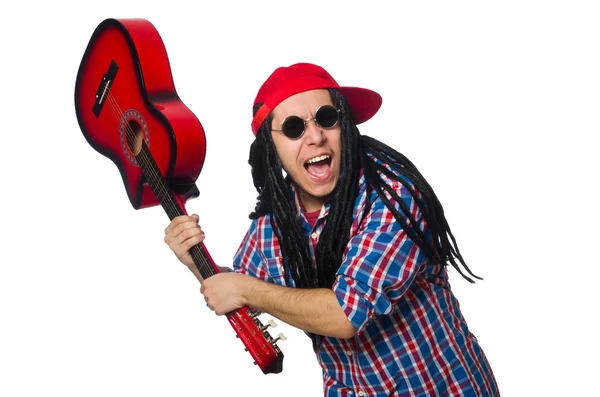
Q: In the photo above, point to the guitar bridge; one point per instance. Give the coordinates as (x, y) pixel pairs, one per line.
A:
(104, 87)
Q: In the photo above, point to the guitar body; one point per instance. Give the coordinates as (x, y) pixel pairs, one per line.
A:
(144, 99)
(129, 111)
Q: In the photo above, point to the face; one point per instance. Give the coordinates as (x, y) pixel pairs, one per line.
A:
(313, 160)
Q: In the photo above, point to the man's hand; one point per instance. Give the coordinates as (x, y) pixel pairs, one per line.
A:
(225, 292)
(182, 234)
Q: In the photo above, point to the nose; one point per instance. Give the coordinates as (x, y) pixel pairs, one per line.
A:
(313, 134)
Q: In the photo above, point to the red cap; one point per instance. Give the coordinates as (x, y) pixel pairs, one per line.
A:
(287, 81)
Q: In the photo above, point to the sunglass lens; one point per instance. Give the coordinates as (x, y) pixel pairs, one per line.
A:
(327, 116)
(293, 127)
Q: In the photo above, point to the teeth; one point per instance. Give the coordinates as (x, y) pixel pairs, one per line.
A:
(317, 159)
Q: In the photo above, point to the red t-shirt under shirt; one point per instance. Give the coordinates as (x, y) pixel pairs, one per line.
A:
(312, 217)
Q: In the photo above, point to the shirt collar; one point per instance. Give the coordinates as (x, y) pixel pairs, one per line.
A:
(300, 211)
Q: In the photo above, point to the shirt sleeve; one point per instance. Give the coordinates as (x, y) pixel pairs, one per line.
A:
(380, 262)
(248, 259)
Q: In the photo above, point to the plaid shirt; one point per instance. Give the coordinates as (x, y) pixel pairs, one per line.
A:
(411, 338)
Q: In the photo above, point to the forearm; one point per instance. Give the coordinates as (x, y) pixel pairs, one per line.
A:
(314, 310)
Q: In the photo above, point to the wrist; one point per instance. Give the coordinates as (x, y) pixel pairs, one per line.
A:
(248, 292)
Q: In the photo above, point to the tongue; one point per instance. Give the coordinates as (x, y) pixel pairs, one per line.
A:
(318, 169)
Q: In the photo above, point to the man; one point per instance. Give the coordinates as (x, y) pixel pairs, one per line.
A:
(350, 245)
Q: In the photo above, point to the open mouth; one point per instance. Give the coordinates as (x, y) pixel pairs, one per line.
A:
(319, 166)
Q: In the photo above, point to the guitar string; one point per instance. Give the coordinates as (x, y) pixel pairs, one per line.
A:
(170, 205)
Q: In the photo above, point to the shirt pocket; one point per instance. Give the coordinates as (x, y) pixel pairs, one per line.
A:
(275, 270)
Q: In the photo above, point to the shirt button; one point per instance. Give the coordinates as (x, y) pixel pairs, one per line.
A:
(348, 352)
(361, 393)
(314, 235)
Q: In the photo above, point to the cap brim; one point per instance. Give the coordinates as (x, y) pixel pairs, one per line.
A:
(364, 103)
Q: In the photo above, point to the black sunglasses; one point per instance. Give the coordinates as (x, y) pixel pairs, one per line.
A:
(293, 127)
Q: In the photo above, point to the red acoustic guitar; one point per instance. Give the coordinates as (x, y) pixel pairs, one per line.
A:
(129, 111)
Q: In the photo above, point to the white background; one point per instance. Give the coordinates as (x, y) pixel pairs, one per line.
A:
(497, 103)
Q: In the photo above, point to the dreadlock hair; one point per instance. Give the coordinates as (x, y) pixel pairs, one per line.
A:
(357, 152)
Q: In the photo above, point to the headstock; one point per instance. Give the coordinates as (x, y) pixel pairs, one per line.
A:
(257, 340)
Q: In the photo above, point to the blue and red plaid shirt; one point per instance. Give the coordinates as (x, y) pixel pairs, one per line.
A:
(411, 338)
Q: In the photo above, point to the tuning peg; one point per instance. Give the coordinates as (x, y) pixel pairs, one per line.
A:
(271, 323)
(280, 337)
(254, 312)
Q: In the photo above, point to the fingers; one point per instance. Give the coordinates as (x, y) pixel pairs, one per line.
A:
(182, 227)
(182, 220)
(187, 237)
(202, 289)
(182, 234)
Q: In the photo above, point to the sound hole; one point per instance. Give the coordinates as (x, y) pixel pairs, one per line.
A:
(134, 135)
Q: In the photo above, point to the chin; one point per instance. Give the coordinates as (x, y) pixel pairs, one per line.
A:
(322, 192)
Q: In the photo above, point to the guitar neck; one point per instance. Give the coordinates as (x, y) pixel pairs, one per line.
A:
(172, 207)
